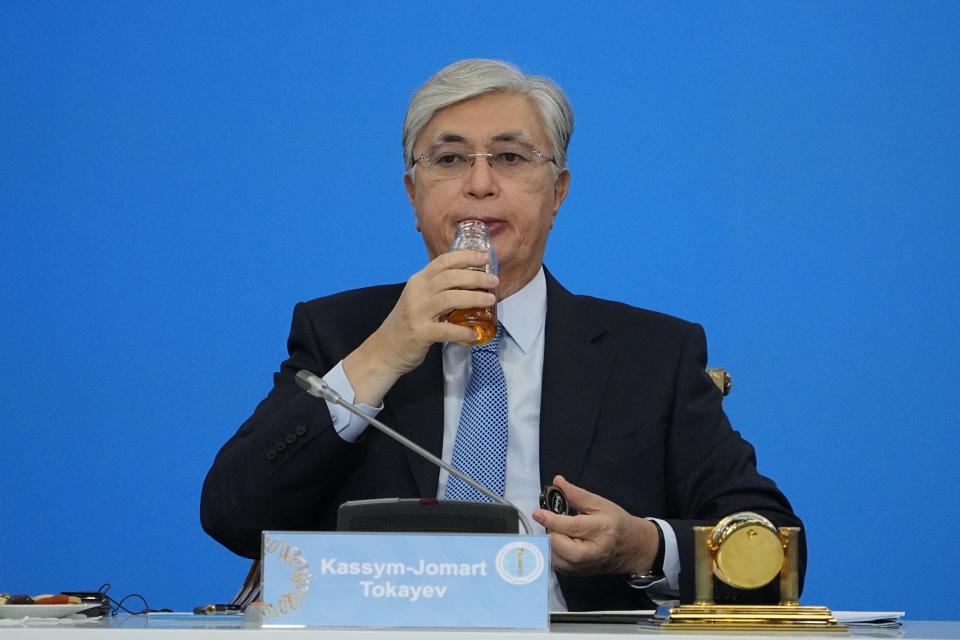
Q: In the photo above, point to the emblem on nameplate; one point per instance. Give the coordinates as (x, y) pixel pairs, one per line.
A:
(519, 563)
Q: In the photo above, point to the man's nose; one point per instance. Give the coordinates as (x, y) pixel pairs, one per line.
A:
(481, 181)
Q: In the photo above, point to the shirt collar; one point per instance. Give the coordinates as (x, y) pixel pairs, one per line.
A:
(524, 313)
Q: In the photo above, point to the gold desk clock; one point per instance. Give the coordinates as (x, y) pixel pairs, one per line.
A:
(746, 551)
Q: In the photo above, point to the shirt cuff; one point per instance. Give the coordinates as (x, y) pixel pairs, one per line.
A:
(348, 425)
(671, 555)
(667, 587)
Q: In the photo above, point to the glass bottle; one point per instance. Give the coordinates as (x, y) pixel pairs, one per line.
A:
(474, 235)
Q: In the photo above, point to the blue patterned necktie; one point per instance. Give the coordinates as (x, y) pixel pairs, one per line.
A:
(480, 449)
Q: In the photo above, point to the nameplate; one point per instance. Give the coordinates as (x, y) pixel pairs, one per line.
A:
(414, 580)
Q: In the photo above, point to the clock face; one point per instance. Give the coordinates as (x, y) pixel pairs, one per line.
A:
(748, 551)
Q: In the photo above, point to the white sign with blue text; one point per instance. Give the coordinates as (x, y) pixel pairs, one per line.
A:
(415, 580)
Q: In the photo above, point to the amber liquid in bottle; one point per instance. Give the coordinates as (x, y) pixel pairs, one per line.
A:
(473, 234)
(482, 321)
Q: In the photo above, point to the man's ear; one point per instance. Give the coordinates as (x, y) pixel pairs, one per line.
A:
(411, 191)
(409, 186)
(560, 188)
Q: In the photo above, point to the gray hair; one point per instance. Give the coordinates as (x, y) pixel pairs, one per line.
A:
(471, 78)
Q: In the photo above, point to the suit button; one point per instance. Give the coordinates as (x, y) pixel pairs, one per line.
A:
(301, 429)
(280, 446)
(291, 438)
(272, 454)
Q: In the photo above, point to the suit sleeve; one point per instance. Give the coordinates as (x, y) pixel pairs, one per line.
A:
(285, 462)
(712, 472)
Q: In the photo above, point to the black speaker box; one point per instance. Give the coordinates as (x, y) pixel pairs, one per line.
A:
(426, 516)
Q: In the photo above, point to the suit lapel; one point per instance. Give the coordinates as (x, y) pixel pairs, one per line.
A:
(575, 370)
(417, 406)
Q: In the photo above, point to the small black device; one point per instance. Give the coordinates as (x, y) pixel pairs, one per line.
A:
(553, 499)
(99, 602)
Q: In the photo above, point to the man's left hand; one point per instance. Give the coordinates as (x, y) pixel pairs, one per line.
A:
(601, 539)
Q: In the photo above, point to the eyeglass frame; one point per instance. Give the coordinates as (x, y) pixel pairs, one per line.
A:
(472, 157)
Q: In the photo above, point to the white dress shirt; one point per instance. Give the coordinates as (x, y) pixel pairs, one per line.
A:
(523, 317)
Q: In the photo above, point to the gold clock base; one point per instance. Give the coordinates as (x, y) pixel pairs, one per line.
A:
(715, 617)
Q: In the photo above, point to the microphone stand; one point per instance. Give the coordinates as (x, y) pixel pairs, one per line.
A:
(318, 388)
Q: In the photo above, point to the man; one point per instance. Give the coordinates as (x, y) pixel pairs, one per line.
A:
(609, 402)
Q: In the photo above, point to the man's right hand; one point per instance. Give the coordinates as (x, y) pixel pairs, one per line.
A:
(401, 343)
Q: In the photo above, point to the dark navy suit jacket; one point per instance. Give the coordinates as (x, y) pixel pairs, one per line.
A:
(627, 412)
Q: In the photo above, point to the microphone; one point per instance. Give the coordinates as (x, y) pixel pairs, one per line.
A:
(318, 388)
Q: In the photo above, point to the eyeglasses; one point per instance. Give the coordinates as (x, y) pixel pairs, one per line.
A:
(513, 162)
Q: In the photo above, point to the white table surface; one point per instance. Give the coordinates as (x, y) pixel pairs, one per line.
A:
(139, 628)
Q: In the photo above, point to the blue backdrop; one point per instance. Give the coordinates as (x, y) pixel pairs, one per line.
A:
(175, 176)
